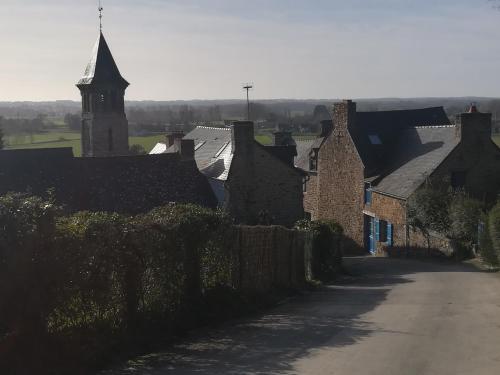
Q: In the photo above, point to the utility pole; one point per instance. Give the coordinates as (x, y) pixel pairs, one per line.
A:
(248, 87)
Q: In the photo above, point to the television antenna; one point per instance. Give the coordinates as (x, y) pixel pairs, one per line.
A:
(248, 87)
(100, 14)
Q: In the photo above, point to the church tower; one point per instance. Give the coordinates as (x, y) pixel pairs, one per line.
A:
(104, 123)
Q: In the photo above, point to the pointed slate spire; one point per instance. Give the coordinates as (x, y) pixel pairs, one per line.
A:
(102, 69)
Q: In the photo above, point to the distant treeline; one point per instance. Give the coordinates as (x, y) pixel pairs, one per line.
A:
(300, 115)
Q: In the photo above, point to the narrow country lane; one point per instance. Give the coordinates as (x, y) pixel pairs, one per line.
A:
(399, 317)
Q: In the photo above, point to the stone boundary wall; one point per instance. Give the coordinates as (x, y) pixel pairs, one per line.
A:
(266, 258)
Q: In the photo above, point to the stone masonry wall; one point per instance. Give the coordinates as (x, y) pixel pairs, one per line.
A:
(393, 211)
(481, 165)
(311, 197)
(263, 189)
(341, 178)
(108, 135)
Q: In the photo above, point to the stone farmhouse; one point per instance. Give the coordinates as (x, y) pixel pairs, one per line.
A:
(255, 184)
(364, 169)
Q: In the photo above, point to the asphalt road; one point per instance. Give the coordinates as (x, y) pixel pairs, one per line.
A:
(400, 317)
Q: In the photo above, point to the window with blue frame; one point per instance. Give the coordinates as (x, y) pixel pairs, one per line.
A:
(389, 234)
(383, 232)
(368, 193)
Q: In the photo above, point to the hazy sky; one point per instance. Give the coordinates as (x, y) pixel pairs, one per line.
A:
(205, 49)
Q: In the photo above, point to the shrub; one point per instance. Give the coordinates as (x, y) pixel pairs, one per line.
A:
(27, 227)
(464, 216)
(428, 210)
(326, 247)
(487, 250)
(494, 229)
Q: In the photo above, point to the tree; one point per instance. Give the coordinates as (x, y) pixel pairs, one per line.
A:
(464, 216)
(72, 121)
(2, 144)
(137, 150)
(214, 113)
(428, 211)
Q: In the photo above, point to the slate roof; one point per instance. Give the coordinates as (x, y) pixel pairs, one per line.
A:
(418, 152)
(213, 150)
(129, 184)
(102, 68)
(304, 148)
(386, 125)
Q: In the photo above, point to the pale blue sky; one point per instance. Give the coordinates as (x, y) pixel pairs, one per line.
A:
(205, 49)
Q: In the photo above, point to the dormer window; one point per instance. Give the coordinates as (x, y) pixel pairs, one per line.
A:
(375, 139)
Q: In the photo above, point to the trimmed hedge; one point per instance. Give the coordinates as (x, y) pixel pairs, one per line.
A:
(75, 290)
(90, 283)
(326, 247)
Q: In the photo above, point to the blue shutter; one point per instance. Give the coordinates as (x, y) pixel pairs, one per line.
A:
(389, 234)
(377, 229)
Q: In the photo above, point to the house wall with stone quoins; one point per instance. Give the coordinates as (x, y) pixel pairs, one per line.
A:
(341, 177)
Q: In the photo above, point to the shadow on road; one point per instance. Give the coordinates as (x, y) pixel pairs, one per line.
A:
(327, 318)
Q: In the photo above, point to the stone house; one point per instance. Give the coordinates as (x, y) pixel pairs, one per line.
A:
(255, 184)
(363, 172)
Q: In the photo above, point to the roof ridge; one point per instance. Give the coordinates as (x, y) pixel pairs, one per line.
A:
(403, 110)
(432, 126)
(212, 128)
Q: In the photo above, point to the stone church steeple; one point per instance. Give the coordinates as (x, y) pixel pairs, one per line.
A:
(104, 123)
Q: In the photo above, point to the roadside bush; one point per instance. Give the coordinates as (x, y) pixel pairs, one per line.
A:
(326, 247)
(27, 274)
(487, 250)
(493, 228)
(464, 216)
(453, 215)
(75, 290)
(428, 210)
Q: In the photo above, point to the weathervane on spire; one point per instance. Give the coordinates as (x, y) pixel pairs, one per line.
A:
(100, 15)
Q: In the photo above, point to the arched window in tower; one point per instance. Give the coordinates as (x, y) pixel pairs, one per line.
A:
(102, 102)
(110, 140)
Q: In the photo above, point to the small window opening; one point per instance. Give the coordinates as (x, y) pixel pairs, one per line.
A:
(368, 193)
(375, 139)
(383, 231)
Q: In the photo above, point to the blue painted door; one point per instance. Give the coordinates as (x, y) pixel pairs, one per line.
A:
(372, 235)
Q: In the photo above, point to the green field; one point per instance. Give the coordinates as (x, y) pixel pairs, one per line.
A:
(496, 138)
(60, 139)
(69, 139)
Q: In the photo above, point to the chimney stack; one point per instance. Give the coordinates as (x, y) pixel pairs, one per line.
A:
(326, 127)
(242, 136)
(474, 127)
(185, 148)
(172, 136)
(344, 115)
(283, 138)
